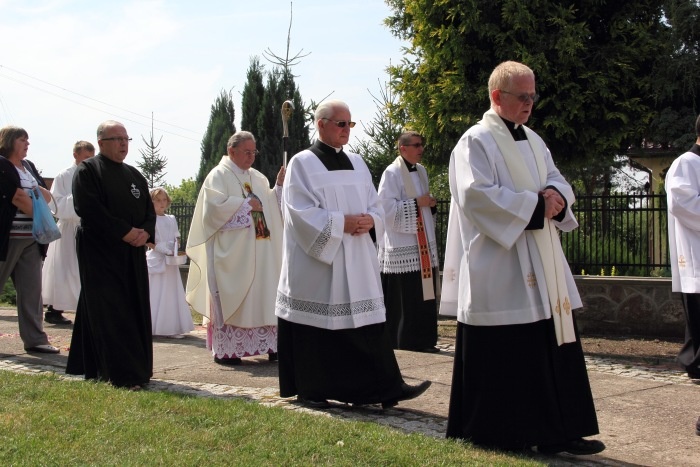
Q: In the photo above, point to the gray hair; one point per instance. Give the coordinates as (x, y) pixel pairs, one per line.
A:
(326, 109)
(503, 74)
(106, 124)
(239, 137)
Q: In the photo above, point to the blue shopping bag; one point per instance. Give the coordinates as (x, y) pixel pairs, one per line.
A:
(44, 228)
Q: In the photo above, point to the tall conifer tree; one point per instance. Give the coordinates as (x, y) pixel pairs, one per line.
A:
(253, 92)
(219, 130)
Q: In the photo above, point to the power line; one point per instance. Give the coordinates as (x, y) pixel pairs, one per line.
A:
(91, 99)
(6, 110)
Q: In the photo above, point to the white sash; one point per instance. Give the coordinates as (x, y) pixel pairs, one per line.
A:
(423, 247)
(547, 238)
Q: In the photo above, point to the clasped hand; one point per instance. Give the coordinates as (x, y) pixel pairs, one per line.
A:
(553, 203)
(136, 237)
(358, 224)
(426, 201)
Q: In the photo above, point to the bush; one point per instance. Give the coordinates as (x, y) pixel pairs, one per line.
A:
(8, 295)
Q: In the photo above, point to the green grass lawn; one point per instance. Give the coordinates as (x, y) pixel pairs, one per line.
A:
(47, 420)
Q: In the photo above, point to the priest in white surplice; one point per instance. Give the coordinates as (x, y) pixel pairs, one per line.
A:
(235, 248)
(60, 279)
(519, 374)
(329, 299)
(683, 194)
(408, 258)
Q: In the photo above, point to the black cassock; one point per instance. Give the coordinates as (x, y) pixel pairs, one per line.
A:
(112, 338)
(349, 365)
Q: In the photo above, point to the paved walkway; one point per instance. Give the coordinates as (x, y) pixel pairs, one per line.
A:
(646, 414)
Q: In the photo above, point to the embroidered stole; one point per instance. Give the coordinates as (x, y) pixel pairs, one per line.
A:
(426, 266)
(547, 239)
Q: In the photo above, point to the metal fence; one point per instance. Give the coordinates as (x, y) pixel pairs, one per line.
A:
(623, 234)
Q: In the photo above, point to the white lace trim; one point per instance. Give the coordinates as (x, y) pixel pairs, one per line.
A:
(323, 238)
(229, 341)
(240, 219)
(329, 310)
(406, 218)
(404, 259)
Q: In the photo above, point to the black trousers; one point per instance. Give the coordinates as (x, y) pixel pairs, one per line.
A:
(689, 356)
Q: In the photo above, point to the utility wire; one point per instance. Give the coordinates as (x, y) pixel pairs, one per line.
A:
(91, 99)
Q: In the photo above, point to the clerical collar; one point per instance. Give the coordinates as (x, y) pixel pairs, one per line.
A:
(411, 167)
(516, 130)
(695, 149)
(327, 147)
(331, 159)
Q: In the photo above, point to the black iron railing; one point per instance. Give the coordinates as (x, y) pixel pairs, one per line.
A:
(622, 234)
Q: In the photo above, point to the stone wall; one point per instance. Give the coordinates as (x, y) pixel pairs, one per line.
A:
(642, 306)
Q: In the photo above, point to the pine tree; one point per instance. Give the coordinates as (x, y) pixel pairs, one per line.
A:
(268, 130)
(252, 96)
(152, 164)
(219, 130)
(379, 150)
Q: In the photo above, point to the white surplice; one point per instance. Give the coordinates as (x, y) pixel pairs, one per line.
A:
(60, 281)
(398, 249)
(170, 313)
(493, 273)
(683, 195)
(329, 279)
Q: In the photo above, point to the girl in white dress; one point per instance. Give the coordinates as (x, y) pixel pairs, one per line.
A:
(170, 313)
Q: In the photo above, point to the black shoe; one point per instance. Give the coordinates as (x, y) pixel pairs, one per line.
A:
(43, 348)
(56, 317)
(697, 427)
(272, 356)
(407, 392)
(580, 447)
(693, 375)
(235, 361)
(429, 350)
(314, 404)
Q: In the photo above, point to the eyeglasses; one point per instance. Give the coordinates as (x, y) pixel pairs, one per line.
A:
(341, 123)
(118, 139)
(414, 145)
(250, 153)
(523, 97)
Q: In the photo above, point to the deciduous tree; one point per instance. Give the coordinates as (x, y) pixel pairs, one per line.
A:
(592, 61)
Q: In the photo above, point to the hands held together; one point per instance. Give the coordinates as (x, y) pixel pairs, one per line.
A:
(426, 201)
(553, 203)
(358, 224)
(136, 237)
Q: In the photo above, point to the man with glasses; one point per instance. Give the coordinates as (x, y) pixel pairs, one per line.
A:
(235, 248)
(329, 300)
(408, 258)
(519, 374)
(112, 334)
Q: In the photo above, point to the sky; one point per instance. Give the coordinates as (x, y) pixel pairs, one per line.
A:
(67, 65)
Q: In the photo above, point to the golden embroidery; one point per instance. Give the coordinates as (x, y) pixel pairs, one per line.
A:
(558, 307)
(681, 261)
(531, 279)
(567, 306)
